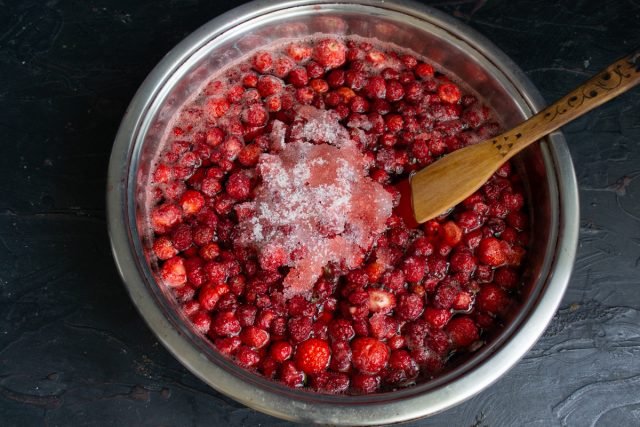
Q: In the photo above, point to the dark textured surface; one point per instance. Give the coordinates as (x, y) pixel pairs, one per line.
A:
(73, 351)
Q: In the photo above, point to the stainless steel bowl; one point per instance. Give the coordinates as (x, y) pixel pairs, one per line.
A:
(547, 169)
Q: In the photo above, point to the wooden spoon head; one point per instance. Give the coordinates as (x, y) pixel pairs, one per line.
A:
(447, 182)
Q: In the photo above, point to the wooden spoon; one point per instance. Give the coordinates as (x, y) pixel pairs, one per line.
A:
(447, 182)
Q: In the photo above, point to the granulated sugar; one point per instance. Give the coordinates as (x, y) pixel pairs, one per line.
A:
(316, 202)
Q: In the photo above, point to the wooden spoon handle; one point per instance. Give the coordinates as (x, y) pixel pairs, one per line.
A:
(609, 83)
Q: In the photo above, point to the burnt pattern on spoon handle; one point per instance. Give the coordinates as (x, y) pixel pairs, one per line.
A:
(616, 78)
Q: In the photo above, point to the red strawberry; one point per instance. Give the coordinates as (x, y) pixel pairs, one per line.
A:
(381, 301)
(365, 384)
(492, 299)
(451, 233)
(164, 217)
(369, 354)
(262, 62)
(281, 351)
(437, 317)
(312, 356)
(462, 331)
(299, 52)
(291, 376)
(216, 107)
(173, 272)
(330, 53)
(254, 337)
(163, 248)
(491, 252)
(449, 92)
(191, 202)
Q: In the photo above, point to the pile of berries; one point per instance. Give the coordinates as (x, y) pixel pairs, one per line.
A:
(419, 295)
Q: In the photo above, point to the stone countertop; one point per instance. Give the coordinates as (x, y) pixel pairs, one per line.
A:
(74, 351)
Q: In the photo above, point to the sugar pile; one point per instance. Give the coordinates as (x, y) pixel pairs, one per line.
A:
(316, 204)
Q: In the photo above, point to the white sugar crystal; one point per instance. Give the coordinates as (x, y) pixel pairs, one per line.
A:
(315, 200)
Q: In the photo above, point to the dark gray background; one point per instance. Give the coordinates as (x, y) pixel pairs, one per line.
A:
(73, 350)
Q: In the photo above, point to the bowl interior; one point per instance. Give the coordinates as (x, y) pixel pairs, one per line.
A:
(440, 40)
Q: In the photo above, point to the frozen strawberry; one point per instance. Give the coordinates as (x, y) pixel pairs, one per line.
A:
(462, 301)
(282, 66)
(437, 317)
(228, 345)
(369, 355)
(210, 294)
(191, 202)
(299, 52)
(269, 85)
(463, 261)
(330, 53)
(375, 57)
(292, 376)
(376, 88)
(312, 356)
(226, 324)
(341, 330)
(173, 272)
(163, 248)
(281, 351)
(330, 382)
(492, 299)
(163, 173)
(238, 186)
(402, 367)
(255, 115)
(410, 307)
(247, 357)
(272, 257)
(201, 321)
(491, 252)
(254, 337)
(263, 62)
(414, 269)
(299, 328)
(506, 278)
(319, 85)
(424, 71)
(449, 92)
(164, 217)
(463, 331)
(365, 384)
(381, 301)
(451, 233)
(216, 107)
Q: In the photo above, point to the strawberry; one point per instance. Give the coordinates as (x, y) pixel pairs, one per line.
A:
(491, 252)
(436, 317)
(254, 337)
(163, 248)
(299, 52)
(449, 93)
(191, 202)
(281, 351)
(164, 217)
(381, 301)
(369, 355)
(462, 331)
(330, 53)
(313, 356)
(291, 376)
(173, 272)
(451, 233)
(492, 299)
